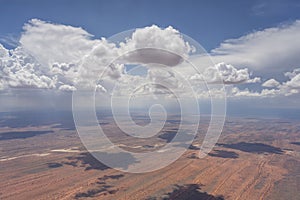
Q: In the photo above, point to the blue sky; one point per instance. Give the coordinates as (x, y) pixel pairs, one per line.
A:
(255, 45)
(209, 22)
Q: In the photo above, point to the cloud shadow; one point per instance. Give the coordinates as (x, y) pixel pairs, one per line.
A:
(182, 137)
(22, 134)
(259, 148)
(295, 143)
(102, 188)
(61, 119)
(223, 154)
(54, 165)
(87, 160)
(187, 192)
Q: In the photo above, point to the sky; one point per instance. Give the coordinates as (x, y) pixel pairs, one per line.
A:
(208, 22)
(255, 47)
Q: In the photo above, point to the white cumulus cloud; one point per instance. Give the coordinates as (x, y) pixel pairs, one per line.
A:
(227, 74)
(164, 46)
(294, 82)
(56, 56)
(50, 43)
(271, 83)
(67, 88)
(60, 56)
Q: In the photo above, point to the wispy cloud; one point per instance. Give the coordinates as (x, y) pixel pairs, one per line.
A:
(274, 7)
(272, 49)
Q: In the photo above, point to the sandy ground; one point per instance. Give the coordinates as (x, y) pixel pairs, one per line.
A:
(248, 163)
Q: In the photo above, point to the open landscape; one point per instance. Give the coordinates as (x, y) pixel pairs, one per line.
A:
(149, 100)
(44, 159)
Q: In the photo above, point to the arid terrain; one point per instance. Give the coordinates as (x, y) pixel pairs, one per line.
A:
(43, 158)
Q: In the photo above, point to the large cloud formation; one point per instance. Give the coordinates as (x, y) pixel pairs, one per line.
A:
(271, 50)
(50, 43)
(165, 46)
(18, 70)
(55, 56)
